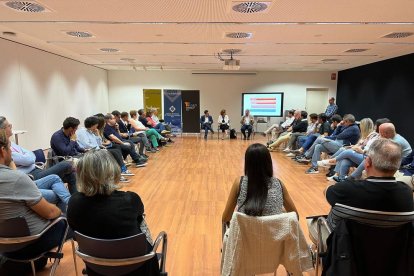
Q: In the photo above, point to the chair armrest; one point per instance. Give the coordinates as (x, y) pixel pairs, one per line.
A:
(162, 236)
(40, 165)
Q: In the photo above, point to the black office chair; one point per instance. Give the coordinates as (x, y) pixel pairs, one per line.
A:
(119, 256)
(365, 242)
(15, 234)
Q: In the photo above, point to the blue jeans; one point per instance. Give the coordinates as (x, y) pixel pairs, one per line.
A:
(309, 142)
(302, 140)
(249, 129)
(206, 127)
(357, 174)
(159, 127)
(324, 145)
(346, 159)
(53, 190)
(63, 169)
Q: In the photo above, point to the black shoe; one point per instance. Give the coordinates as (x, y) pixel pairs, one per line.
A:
(146, 156)
(330, 173)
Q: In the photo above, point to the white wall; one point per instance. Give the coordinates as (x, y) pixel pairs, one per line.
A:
(216, 91)
(39, 90)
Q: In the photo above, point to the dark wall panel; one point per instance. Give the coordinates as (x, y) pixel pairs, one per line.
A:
(378, 90)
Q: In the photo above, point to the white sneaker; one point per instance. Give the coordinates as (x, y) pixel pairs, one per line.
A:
(127, 173)
(324, 163)
(331, 178)
(290, 154)
(286, 150)
(124, 180)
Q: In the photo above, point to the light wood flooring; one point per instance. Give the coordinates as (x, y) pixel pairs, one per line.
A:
(184, 189)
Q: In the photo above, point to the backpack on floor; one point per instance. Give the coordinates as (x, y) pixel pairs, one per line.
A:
(233, 134)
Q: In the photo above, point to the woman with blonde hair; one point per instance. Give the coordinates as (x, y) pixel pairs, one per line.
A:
(224, 123)
(100, 210)
(346, 158)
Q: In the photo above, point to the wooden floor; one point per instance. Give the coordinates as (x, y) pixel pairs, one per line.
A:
(184, 189)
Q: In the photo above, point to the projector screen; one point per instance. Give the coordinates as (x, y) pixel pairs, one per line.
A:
(263, 104)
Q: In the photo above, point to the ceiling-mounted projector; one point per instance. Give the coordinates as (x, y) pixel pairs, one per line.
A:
(231, 64)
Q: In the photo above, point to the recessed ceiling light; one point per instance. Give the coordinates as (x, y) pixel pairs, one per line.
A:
(329, 59)
(239, 35)
(79, 34)
(231, 51)
(128, 59)
(9, 33)
(109, 50)
(25, 6)
(356, 50)
(250, 6)
(398, 35)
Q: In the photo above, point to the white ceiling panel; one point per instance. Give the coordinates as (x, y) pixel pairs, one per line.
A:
(288, 35)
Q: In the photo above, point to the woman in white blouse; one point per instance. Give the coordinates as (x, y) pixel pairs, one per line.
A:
(223, 123)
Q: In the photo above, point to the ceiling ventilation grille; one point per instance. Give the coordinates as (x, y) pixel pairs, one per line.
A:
(109, 50)
(25, 6)
(329, 60)
(398, 35)
(239, 35)
(231, 51)
(356, 50)
(250, 7)
(128, 59)
(79, 34)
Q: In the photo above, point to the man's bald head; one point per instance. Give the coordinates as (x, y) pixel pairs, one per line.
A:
(387, 130)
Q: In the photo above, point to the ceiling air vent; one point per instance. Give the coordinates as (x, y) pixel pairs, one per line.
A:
(128, 59)
(356, 50)
(79, 34)
(231, 51)
(329, 60)
(239, 35)
(25, 6)
(398, 35)
(250, 6)
(109, 50)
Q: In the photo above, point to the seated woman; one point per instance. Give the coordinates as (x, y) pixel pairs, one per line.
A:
(111, 214)
(345, 158)
(258, 193)
(224, 123)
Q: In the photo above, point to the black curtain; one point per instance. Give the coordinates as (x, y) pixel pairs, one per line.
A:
(378, 90)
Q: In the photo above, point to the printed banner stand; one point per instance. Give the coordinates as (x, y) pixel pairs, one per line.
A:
(152, 99)
(172, 109)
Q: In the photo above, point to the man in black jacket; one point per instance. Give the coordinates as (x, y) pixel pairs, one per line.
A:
(299, 125)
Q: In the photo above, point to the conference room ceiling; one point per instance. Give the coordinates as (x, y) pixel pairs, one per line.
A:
(289, 35)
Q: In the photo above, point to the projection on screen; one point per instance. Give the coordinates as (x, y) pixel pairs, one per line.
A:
(263, 104)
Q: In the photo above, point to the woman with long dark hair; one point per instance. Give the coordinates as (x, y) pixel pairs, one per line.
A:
(258, 193)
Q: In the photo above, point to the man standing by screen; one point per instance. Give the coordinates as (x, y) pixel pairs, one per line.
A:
(247, 122)
(331, 109)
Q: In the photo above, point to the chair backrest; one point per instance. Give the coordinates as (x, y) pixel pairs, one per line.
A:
(251, 240)
(40, 156)
(372, 242)
(10, 232)
(110, 251)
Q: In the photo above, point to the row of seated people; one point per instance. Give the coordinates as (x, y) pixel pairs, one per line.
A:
(259, 194)
(94, 208)
(247, 122)
(343, 139)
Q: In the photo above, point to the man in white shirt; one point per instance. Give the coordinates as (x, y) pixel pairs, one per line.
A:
(276, 129)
